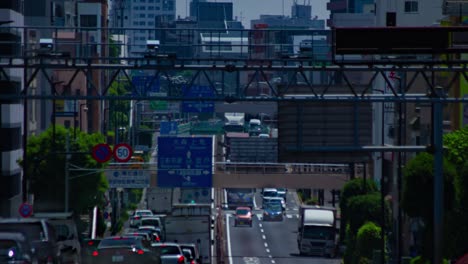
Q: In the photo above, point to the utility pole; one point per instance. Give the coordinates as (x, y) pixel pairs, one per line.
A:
(67, 158)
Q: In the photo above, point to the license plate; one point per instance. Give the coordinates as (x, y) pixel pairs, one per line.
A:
(117, 258)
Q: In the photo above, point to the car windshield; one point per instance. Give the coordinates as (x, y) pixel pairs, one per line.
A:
(242, 211)
(150, 222)
(63, 231)
(32, 230)
(144, 213)
(189, 248)
(318, 232)
(273, 206)
(127, 242)
(270, 194)
(166, 250)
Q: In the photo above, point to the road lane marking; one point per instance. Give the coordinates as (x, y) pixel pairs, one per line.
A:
(254, 203)
(263, 236)
(270, 256)
(228, 240)
(289, 216)
(260, 225)
(266, 245)
(261, 230)
(273, 261)
(267, 250)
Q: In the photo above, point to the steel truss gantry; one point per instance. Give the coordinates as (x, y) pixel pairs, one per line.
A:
(293, 67)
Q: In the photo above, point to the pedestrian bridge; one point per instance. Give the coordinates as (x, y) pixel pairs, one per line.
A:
(286, 175)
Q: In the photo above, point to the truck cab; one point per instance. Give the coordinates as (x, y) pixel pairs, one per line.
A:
(317, 234)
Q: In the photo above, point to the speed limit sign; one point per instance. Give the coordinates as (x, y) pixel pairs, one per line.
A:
(122, 152)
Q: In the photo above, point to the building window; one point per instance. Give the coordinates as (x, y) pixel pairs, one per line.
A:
(88, 21)
(411, 6)
(158, 8)
(142, 15)
(150, 15)
(151, 23)
(142, 23)
(150, 7)
(136, 8)
(142, 7)
(150, 1)
(135, 23)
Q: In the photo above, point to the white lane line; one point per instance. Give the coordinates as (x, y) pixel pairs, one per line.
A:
(260, 225)
(254, 203)
(261, 230)
(266, 245)
(267, 250)
(270, 256)
(263, 236)
(289, 216)
(228, 240)
(273, 261)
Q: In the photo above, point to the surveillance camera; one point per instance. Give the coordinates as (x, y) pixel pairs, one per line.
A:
(152, 45)
(46, 44)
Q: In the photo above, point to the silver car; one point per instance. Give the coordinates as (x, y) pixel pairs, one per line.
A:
(170, 253)
(135, 219)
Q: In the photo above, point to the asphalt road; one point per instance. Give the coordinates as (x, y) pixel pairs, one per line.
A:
(268, 242)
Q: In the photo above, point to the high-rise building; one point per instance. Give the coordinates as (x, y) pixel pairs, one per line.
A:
(143, 16)
(11, 111)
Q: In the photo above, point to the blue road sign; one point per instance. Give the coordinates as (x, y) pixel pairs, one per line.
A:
(185, 162)
(204, 92)
(144, 84)
(25, 210)
(168, 128)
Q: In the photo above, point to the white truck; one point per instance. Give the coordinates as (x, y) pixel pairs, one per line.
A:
(159, 200)
(317, 233)
(235, 122)
(191, 224)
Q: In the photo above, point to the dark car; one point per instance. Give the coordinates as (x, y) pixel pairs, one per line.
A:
(87, 248)
(15, 248)
(124, 250)
(272, 211)
(41, 234)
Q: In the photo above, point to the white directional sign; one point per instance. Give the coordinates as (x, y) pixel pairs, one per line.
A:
(128, 178)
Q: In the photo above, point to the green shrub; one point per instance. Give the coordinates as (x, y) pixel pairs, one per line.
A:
(369, 237)
(362, 209)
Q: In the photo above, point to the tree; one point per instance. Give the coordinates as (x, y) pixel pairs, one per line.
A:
(361, 209)
(457, 146)
(418, 193)
(46, 167)
(352, 188)
(368, 239)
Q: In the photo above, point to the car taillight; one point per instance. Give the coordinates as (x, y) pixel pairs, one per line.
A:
(158, 239)
(140, 252)
(181, 259)
(90, 243)
(136, 217)
(192, 262)
(95, 253)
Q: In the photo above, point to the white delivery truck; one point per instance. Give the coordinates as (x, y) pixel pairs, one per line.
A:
(191, 224)
(159, 200)
(317, 233)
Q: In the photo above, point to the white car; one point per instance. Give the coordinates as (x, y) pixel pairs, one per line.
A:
(135, 219)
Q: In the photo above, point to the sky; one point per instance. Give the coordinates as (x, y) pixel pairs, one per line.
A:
(246, 10)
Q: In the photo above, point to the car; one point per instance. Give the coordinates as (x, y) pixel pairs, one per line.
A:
(196, 258)
(87, 248)
(41, 234)
(170, 253)
(282, 192)
(269, 192)
(279, 200)
(243, 216)
(272, 211)
(15, 248)
(135, 219)
(127, 249)
(154, 221)
(67, 235)
(155, 232)
(188, 256)
(146, 237)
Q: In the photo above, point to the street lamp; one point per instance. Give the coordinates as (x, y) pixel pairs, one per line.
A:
(85, 109)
